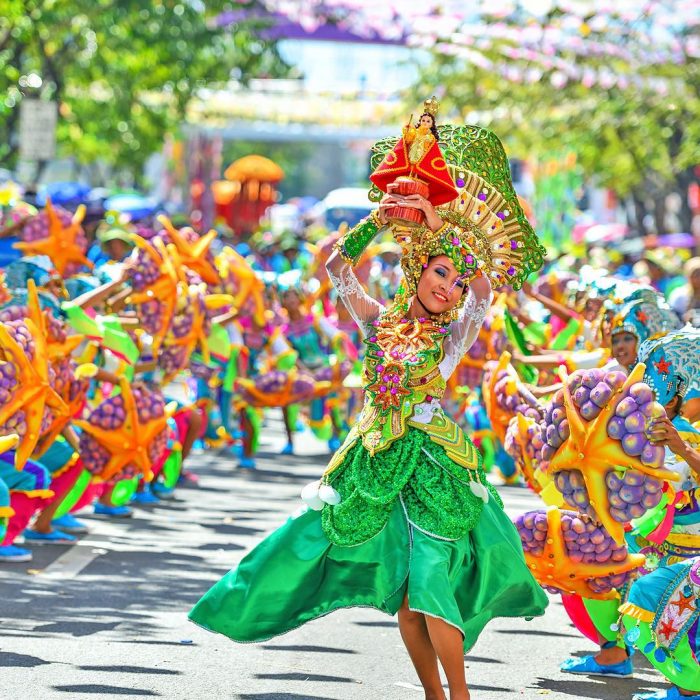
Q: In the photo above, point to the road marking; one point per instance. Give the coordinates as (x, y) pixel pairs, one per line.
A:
(72, 562)
(412, 686)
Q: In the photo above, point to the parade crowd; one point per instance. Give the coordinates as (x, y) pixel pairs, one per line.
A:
(125, 344)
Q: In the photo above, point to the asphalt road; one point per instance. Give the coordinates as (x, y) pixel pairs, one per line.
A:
(107, 617)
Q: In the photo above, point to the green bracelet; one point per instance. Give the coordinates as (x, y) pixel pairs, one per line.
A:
(351, 246)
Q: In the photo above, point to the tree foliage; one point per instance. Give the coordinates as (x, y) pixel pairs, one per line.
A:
(637, 131)
(122, 71)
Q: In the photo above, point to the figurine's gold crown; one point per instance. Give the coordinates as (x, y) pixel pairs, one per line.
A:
(431, 106)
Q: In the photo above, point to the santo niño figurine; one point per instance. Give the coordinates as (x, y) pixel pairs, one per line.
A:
(416, 166)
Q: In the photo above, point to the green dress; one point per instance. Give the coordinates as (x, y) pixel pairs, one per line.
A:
(416, 515)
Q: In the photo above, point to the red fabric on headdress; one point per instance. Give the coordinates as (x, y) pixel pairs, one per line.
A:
(431, 169)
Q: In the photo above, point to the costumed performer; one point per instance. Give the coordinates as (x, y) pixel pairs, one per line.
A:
(661, 613)
(631, 323)
(403, 519)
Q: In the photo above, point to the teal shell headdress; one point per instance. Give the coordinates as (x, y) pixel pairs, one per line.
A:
(486, 209)
(624, 292)
(35, 267)
(644, 319)
(673, 364)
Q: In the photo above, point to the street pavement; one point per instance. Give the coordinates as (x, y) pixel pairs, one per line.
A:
(107, 617)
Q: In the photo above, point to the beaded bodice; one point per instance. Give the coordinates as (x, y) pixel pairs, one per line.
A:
(401, 371)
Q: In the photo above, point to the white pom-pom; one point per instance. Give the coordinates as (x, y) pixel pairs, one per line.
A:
(309, 494)
(479, 490)
(329, 495)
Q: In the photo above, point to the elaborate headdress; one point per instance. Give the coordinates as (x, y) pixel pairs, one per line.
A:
(673, 364)
(644, 319)
(35, 267)
(487, 230)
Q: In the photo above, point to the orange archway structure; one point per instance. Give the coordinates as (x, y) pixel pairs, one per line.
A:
(249, 189)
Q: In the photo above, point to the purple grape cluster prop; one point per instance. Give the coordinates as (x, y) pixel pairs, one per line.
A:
(63, 375)
(302, 387)
(110, 415)
(202, 371)
(523, 437)
(513, 398)
(16, 423)
(594, 564)
(592, 389)
(149, 403)
(630, 493)
(150, 315)
(274, 389)
(13, 312)
(633, 416)
(55, 326)
(9, 374)
(489, 344)
(603, 462)
(144, 270)
(146, 232)
(172, 359)
(22, 336)
(38, 226)
(184, 317)
(328, 374)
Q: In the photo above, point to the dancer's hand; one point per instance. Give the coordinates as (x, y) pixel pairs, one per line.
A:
(664, 433)
(416, 201)
(387, 202)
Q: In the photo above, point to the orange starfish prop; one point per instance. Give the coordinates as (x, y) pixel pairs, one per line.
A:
(56, 350)
(590, 450)
(249, 285)
(197, 335)
(62, 415)
(129, 443)
(61, 419)
(524, 462)
(498, 417)
(554, 568)
(33, 390)
(164, 289)
(193, 255)
(60, 244)
(284, 396)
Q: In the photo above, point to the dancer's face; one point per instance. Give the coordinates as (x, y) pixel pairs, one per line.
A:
(624, 348)
(440, 286)
(592, 308)
(291, 301)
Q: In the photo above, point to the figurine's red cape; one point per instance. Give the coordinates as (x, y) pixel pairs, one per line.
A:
(431, 169)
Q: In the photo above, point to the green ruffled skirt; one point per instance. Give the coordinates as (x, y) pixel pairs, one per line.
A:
(298, 574)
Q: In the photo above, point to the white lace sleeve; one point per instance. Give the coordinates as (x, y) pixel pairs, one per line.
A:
(362, 307)
(463, 331)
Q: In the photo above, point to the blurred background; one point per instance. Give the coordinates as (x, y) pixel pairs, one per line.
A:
(257, 117)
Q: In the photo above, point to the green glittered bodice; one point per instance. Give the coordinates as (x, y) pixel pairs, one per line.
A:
(401, 370)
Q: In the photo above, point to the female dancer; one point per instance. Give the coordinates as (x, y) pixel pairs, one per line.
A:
(404, 520)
